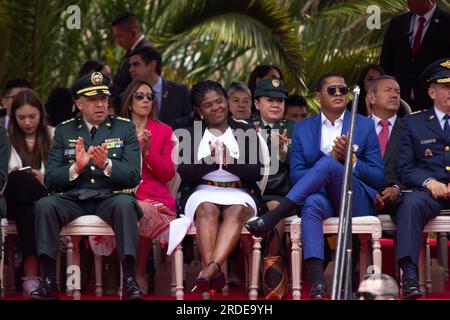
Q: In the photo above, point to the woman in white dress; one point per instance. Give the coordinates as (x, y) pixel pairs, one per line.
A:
(219, 168)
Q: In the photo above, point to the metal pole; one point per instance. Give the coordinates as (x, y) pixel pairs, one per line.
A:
(345, 216)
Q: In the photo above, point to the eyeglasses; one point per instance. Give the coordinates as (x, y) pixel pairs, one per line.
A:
(141, 95)
(332, 90)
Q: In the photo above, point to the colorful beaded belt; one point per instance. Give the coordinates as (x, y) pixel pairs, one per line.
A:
(223, 184)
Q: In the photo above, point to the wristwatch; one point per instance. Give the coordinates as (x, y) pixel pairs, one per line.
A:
(105, 164)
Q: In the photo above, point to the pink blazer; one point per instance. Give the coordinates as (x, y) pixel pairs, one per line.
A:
(157, 167)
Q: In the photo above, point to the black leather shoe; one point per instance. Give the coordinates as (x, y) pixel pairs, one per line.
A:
(257, 227)
(318, 291)
(410, 288)
(131, 290)
(46, 290)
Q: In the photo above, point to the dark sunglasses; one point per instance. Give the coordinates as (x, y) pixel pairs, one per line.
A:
(332, 90)
(141, 95)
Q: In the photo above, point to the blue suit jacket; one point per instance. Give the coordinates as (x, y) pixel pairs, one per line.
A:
(305, 151)
(422, 150)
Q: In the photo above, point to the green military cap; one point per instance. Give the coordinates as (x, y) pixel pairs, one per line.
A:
(273, 88)
(438, 71)
(91, 84)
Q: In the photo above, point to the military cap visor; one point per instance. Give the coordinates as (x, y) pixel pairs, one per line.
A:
(437, 72)
(273, 88)
(92, 84)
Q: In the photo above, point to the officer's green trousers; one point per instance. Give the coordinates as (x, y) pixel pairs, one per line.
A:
(120, 211)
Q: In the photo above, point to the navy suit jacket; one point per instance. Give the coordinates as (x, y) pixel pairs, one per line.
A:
(305, 151)
(175, 102)
(422, 150)
(397, 59)
(123, 77)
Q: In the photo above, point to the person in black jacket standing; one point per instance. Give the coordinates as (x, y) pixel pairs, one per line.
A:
(414, 40)
(128, 35)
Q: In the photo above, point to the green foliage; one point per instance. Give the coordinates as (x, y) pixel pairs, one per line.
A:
(218, 39)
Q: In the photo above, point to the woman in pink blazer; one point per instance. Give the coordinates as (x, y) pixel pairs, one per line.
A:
(158, 169)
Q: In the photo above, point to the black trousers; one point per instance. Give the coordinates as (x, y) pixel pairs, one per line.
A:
(120, 211)
(21, 192)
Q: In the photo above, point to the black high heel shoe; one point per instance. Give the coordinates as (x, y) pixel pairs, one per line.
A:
(217, 282)
(257, 227)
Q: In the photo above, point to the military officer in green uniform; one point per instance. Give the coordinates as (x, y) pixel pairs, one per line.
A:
(4, 149)
(269, 99)
(93, 159)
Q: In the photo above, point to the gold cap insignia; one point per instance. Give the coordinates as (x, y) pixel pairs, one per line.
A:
(275, 83)
(446, 64)
(96, 78)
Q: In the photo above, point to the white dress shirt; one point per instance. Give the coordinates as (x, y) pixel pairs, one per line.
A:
(440, 115)
(414, 26)
(157, 89)
(330, 132)
(378, 126)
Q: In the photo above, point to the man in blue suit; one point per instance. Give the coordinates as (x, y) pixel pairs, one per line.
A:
(317, 157)
(423, 165)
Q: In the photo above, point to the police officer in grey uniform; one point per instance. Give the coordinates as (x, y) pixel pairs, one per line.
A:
(93, 161)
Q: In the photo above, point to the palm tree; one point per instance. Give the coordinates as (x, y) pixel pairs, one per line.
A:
(198, 39)
(220, 39)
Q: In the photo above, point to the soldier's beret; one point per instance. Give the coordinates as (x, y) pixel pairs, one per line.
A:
(91, 84)
(273, 88)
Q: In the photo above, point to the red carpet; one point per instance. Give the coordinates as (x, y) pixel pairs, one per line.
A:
(238, 293)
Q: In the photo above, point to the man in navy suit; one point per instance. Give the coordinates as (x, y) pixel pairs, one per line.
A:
(423, 165)
(317, 156)
(172, 97)
(127, 34)
(413, 41)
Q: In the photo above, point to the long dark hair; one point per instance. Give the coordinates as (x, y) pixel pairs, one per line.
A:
(43, 142)
(128, 99)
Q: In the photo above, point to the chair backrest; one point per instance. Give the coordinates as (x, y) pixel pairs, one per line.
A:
(405, 106)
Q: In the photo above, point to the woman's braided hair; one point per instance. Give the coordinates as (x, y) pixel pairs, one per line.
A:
(198, 92)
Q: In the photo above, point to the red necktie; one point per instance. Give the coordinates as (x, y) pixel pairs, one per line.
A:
(418, 37)
(383, 135)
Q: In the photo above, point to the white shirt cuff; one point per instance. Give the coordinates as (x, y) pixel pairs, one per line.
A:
(108, 168)
(72, 173)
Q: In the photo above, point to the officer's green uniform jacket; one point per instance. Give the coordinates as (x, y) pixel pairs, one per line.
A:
(123, 149)
(274, 184)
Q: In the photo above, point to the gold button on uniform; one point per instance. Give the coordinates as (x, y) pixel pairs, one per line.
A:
(92, 168)
(92, 180)
(447, 148)
(447, 168)
(114, 155)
